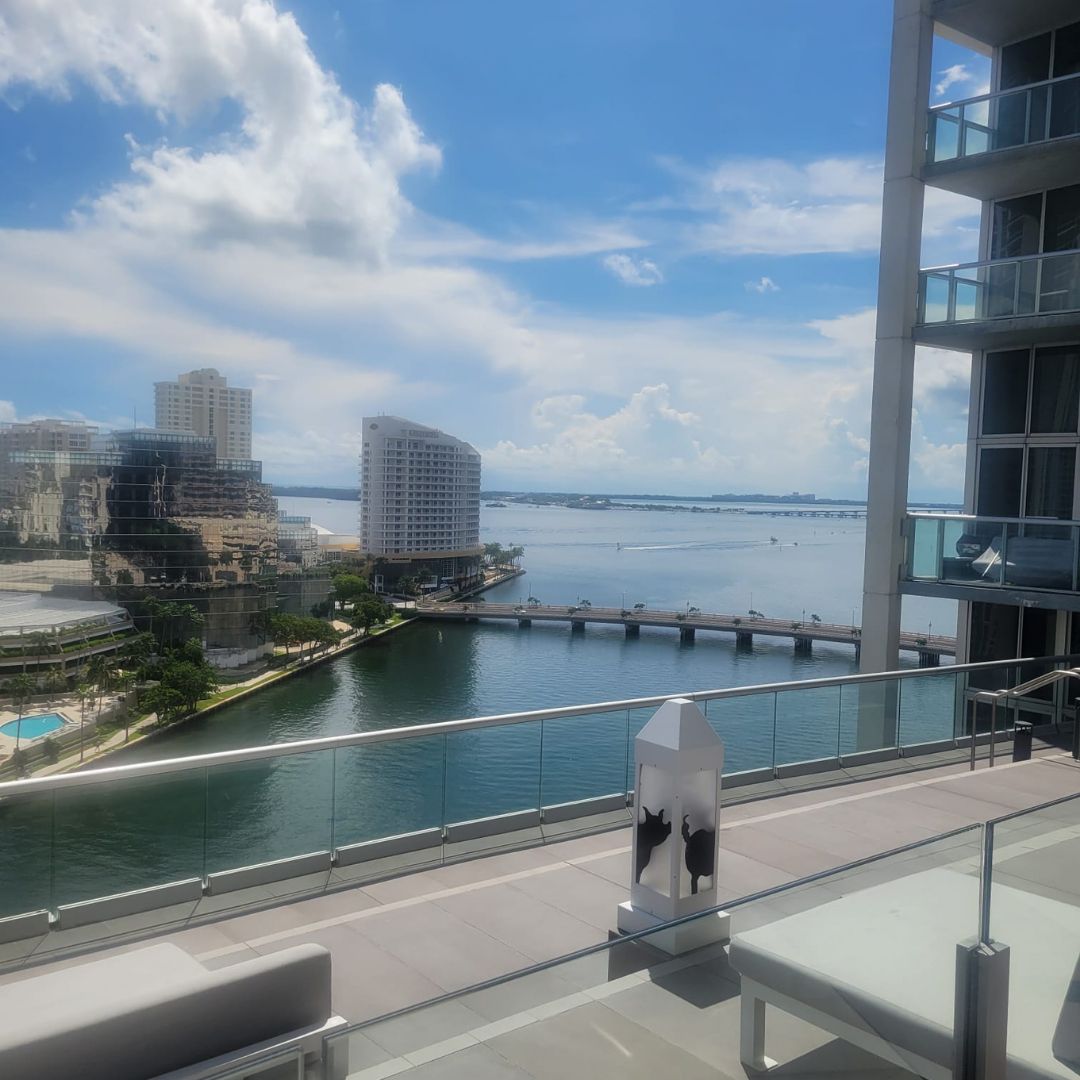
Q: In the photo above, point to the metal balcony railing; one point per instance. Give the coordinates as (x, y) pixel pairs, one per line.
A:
(992, 552)
(1030, 114)
(1045, 284)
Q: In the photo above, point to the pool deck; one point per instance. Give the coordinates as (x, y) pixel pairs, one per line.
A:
(8, 716)
(412, 936)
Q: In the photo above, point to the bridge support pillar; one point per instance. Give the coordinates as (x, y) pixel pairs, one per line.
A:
(686, 635)
(524, 623)
(577, 626)
(804, 646)
(858, 652)
(929, 659)
(632, 630)
(744, 639)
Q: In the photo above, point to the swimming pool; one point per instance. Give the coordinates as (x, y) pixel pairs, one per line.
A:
(33, 727)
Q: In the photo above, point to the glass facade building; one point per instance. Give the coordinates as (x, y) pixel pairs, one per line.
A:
(139, 515)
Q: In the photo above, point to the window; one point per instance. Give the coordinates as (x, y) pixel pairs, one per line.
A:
(1005, 393)
(1055, 393)
(1000, 472)
(1025, 62)
(1050, 475)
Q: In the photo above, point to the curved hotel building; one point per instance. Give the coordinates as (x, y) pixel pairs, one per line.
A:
(419, 502)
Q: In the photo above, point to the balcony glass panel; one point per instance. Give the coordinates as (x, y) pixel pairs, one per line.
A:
(492, 771)
(1006, 288)
(413, 769)
(283, 826)
(583, 757)
(858, 942)
(1012, 117)
(927, 708)
(110, 839)
(807, 724)
(1034, 909)
(994, 553)
(925, 549)
(868, 716)
(747, 726)
(26, 832)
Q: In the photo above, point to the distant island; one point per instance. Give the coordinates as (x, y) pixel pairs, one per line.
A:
(307, 491)
(606, 501)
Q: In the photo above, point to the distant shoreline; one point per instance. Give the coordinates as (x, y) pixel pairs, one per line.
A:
(563, 498)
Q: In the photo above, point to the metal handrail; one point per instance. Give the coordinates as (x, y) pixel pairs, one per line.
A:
(1017, 692)
(997, 262)
(112, 773)
(1001, 93)
(926, 515)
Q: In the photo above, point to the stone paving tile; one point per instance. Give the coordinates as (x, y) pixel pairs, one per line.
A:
(574, 889)
(440, 947)
(524, 923)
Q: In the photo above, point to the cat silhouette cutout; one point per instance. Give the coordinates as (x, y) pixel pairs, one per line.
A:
(699, 853)
(651, 833)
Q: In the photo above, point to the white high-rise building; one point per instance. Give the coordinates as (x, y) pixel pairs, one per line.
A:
(203, 402)
(1011, 559)
(419, 497)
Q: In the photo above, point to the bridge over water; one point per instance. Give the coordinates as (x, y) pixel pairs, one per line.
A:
(688, 623)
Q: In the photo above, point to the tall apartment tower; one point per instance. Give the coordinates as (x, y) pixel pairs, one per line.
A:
(419, 499)
(202, 402)
(1011, 559)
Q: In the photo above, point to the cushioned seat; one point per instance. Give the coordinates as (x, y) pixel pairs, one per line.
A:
(155, 1010)
(881, 962)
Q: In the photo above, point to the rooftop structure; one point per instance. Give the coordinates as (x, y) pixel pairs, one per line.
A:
(419, 498)
(203, 402)
(1011, 558)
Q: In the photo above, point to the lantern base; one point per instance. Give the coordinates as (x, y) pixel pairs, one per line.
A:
(706, 930)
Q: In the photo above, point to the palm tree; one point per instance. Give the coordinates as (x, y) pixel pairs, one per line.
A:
(100, 671)
(21, 687)
(84, 691)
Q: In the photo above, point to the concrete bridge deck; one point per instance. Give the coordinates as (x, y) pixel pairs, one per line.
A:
(744, 627)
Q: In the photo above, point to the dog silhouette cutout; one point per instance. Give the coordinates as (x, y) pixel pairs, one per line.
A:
(699, 853)
(651, 833)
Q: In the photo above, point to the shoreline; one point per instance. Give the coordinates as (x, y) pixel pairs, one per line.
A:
(144, 730)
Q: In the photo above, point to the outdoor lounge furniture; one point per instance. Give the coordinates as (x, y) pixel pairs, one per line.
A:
(1034, 561)
(877, 969)
(158, 1010)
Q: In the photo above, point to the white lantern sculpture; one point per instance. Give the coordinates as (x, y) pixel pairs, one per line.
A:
(678, 762)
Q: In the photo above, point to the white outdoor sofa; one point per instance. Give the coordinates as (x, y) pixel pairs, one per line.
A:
(158, 1011)
(877, 969)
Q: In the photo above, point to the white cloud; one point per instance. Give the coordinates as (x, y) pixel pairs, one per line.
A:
(306, 166)
(768, 206)
(631, 271)
(973, 77)
(762, 285)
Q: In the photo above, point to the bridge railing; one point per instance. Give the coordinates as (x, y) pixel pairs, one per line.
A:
(85, 846)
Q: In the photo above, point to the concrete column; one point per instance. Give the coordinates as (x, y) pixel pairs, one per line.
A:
(633, 630)
(894, 353)
(686, 635)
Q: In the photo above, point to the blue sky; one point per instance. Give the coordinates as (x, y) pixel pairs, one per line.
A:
(618, 246)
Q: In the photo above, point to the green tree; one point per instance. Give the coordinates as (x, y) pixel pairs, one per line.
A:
(369, 612)
(137, 654)
(350, 587)
(50, 751)
(166, 702)
(191, 681)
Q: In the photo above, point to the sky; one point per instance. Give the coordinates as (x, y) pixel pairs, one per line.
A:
(618, 246)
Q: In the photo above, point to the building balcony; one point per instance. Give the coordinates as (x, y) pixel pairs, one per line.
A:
(1002, 144)
(1031, 300)
(1019, 560)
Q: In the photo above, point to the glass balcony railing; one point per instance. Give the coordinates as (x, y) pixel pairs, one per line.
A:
(1006, 891)
(202, 823)
(1046, 284)
(996, 553)
(1030, 114)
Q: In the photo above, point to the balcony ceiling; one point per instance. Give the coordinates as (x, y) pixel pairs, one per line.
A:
(998, 22)
(1001, 333)
(1001, 174)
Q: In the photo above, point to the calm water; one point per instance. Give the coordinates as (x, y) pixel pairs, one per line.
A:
(432, 672)
(99, 841)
